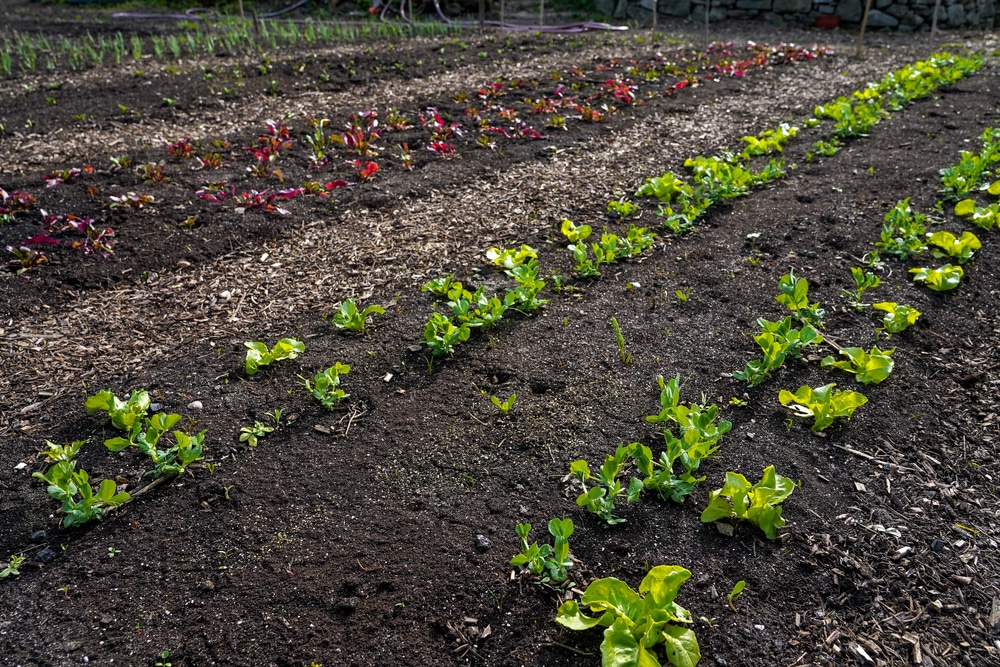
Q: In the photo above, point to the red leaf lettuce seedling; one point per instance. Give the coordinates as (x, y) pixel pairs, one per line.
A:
(757, 504)
(634, 623)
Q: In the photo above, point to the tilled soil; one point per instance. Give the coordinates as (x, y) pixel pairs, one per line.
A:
(380, 533)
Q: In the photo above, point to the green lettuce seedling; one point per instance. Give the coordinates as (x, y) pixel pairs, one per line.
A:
(940, 280)
(15, 562)
(250, 434)
(545, 562)
(658, 475)
(898, 317)
(758, 504)
(475, 309)
(350, 318)
(146, 437)
(585, 268)
(822, 403)
(622, 208)
(667, 188)
(985, 217)
(511, 258)
(439, 286)
(795, 296)
(504, 406)
(63, 452)
(258, 355)
(600, 498)
(325, 385)
(635, 623)
(868, 367)
(637, 240)
(697, 417)
(124, 414)
(573, 233)
(769, 141)
(778, 341)
(80, 503)
(903, 231)
(863, 280)
(959, 249)
(524, 298)
(441, 335)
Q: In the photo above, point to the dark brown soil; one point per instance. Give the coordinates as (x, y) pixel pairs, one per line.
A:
(380, 533)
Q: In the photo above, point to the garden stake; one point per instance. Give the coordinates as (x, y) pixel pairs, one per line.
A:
(864, 24)
(708, 7)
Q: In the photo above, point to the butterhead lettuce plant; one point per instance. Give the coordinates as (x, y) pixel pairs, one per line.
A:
(258, 355)
(823, 404)
(758, 503)
(636, 623)
(898, 317)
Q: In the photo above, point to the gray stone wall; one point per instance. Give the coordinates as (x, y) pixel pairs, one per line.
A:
(901, 15)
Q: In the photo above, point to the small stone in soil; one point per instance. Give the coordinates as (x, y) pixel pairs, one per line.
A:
(482, 543)
(45, 556)
(37, 536)
(937, 545)
(194, 405)
(155, 407)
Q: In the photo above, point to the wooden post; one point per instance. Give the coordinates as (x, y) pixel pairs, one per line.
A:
(708, 9)
(502, 17)
(937, 8)
(482, 16)
(541, 14)
(244, 18)
(654, 15)
(864, 24)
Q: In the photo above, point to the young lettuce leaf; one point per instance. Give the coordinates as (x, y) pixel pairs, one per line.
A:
(868, 367)
(940, 280)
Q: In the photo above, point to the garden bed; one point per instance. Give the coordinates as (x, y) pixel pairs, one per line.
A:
(381, 532)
